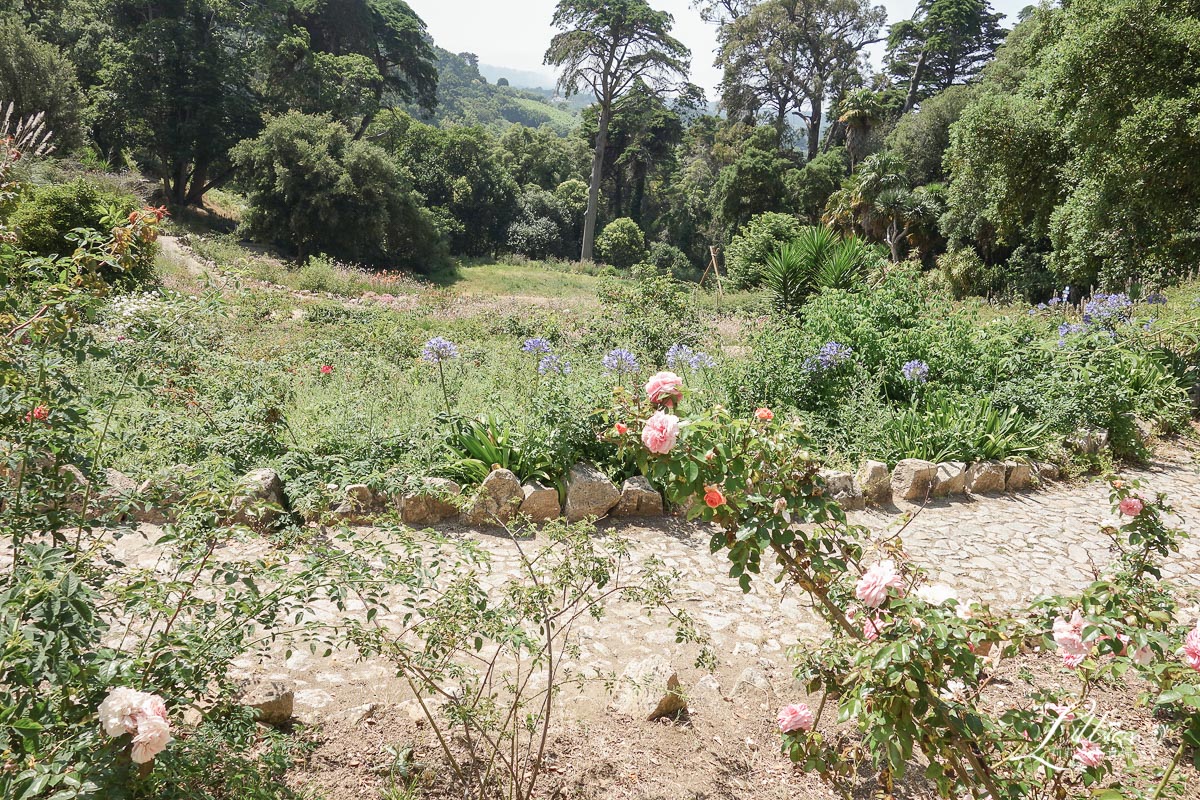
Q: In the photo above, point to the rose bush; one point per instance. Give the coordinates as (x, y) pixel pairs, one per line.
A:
(909, 665)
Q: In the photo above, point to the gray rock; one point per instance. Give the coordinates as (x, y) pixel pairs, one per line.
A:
(589, 493)
(1045, 471)
(1018, 475)
(433, 502)
(360, 504)
(539, 503)
(751, 681)
(1088, 441)
(875, 482)
(841, 488)
(986, 477)
(260, 499)
(497, 500)
(650, 690)
(951, 478)
(639, 499)
(914, 479)
(274, 701)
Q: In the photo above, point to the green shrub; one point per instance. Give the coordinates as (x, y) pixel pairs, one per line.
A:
(746, 256)
(647, 314)
(621, 244)
(817, 259)
(37, 77)
(672, 261)
(949, 428)
(45, 218)
(313, 188)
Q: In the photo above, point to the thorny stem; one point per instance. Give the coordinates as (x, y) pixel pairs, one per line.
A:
(806, 582)
(1162, 785)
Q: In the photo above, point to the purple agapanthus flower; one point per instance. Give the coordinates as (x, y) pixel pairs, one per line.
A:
(1107, 310)
(536, 345)
(1155, 299)
(700, 361)
(916, 371)
(552, 364)
(680, 356)
(829, 356)
(619, 360)
(437, 350)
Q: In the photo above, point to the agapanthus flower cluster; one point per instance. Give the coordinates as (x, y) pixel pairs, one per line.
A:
(141, 714)
(619, 360)
(1069, 329)
(1107, 310)
(680, 356)
(1155, 299)
(915, 371)
(437, 350)
(831, 355)
(535, 345)
(551, 364)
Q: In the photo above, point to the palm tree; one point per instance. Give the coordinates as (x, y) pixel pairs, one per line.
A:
(859, 111)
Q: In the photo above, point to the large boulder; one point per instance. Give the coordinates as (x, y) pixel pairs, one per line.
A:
(539, 503)
(1088, 441)
(260, 499)
(1018, 475)
(432, 502)
(359, 504)
(986, 477)
(639, 499)
(650, 690)
(1045, 471)
(914, 479)
(841, 488)
(589, 493)
(497, 500)
(951, 478)
(875, 482)
(272, 701)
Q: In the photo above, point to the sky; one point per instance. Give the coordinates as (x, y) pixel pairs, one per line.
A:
(515, 33)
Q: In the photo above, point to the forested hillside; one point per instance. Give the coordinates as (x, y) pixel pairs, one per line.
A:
(1062, 152)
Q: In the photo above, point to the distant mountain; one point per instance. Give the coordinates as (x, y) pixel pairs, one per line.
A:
(467, 97)
(519, 78)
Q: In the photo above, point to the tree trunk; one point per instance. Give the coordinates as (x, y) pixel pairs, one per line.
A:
(915, 83)
(589, 218)
(814, 127)
(638, 195)
(197, 187)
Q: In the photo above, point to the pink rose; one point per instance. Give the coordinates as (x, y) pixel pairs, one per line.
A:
(871, 628)
(873, 585)
(621, 428)
(153, 735)
(1131, 506)
(118, 711)
(1068, 635)
(1191, 648)
(664, 389)
(764, 414)
(713, 497)
(796, 717)
(660, 433)
(1089, 754)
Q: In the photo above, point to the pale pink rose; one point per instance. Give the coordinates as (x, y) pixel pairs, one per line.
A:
(660, 432)
(1143, 656)
(873, 585)
(1068, 635)
(154, 706)
(1089, 754)
(871, 628)
(1191, 648)
(664, 389)
(796, 717)
(936, 594)
(120, 709)
(153, 735)
(1060, 711)
(1131, 506)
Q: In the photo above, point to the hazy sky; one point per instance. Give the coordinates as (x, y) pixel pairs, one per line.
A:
(515, 33)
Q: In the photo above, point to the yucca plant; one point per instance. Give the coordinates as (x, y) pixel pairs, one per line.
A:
(816, 259)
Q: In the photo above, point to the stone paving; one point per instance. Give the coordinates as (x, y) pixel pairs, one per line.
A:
(1004, 550)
